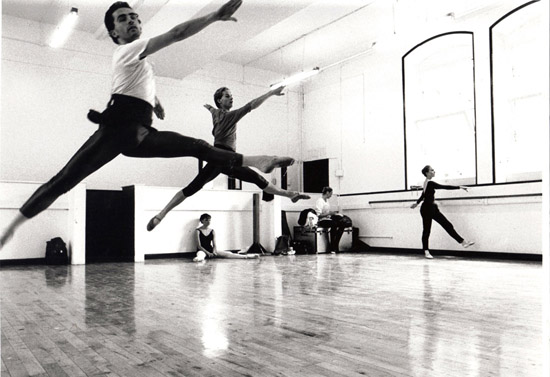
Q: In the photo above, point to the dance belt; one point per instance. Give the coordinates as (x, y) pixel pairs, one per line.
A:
(123, 108)
(224, 147)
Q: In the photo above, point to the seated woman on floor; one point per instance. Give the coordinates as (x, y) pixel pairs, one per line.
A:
(206, 243)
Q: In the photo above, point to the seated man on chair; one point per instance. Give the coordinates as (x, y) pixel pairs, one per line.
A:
(330, 219)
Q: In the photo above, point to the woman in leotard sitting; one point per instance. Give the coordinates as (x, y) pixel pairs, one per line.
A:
(206, 243)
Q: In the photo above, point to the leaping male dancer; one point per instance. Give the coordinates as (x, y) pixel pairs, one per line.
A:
(225, 137)
(125, 126)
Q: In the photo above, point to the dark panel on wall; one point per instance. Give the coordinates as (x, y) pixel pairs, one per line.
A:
(315, 175)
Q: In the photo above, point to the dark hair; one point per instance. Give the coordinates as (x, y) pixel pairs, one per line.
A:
(218, 95)
(110, 21)
(326, 189)
(426, 169)
(205, 216)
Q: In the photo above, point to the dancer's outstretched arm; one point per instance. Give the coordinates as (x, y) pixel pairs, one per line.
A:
(191, 27)
(255, 103)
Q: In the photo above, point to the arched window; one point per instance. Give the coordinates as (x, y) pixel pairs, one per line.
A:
(519, 108)
(439, 108)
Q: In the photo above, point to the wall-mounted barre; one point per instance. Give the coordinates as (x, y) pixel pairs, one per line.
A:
(459, 198)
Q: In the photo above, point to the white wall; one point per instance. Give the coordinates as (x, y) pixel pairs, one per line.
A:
(66, 218)
(350, 113)
(499, 218)
(353, 112)
(46, 95)
(353, 115)
(232, 219)
(506, 223)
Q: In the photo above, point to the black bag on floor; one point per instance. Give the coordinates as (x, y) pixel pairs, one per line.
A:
(56, 252)
(282, 244)
(301, 247)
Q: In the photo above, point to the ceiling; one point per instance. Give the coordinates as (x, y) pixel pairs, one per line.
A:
(284, 36)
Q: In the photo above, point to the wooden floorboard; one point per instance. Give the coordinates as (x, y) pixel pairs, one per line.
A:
(367, 314)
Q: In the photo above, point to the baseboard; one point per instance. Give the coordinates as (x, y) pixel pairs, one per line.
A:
(22, 262)
(464, 254)
(187, 255)
(362, 249)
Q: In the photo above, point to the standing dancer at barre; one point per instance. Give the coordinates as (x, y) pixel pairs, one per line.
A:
(225, 137)
(125, 126)
(430, 211)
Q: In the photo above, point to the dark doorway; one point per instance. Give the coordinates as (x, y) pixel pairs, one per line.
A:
(109, 227)
(315, 175)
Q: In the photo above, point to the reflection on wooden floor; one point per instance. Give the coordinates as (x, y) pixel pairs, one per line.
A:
(327, 315)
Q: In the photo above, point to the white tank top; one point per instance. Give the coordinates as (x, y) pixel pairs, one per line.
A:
(133, 76)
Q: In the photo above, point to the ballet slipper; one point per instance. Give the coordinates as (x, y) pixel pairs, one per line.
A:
(153, 223)
(271, 163)
(427, 255)
(467, 244)
(201, 256)
(252, 256)
(299, 196)
(6, 237)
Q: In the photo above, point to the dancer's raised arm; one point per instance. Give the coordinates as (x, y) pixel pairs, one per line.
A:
(191, 27)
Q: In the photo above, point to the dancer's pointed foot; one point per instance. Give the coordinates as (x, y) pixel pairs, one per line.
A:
(467, 244)
(427, 255)
(299, 196)
(6, 237)
(201, 256)
(269, 163)
(153, 223)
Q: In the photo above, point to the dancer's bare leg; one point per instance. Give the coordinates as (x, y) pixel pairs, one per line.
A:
(230, 255)
(207, 174)
(10, 230)
(173, 203)
(292, 195)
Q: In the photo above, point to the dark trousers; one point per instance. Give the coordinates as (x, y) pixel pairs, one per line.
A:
(337, 228)
(211, 171)
(431, 212)
(127, 131)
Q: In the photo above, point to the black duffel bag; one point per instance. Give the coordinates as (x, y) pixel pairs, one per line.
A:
(56, 252)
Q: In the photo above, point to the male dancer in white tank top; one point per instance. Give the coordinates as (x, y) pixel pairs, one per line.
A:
(125, 126)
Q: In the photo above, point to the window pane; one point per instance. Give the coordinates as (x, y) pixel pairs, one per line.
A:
(518, 102)
(439, 109)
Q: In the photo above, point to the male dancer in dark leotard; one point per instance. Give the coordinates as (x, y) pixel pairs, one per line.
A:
(225, 137)
(125, 126)
(430, 211)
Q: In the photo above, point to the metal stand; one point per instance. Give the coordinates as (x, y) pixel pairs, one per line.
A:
(256, 247)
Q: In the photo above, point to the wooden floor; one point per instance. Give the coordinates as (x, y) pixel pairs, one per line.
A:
(326, 315)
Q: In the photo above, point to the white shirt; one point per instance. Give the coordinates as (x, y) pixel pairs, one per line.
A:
(133, 76)
(322, 207)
